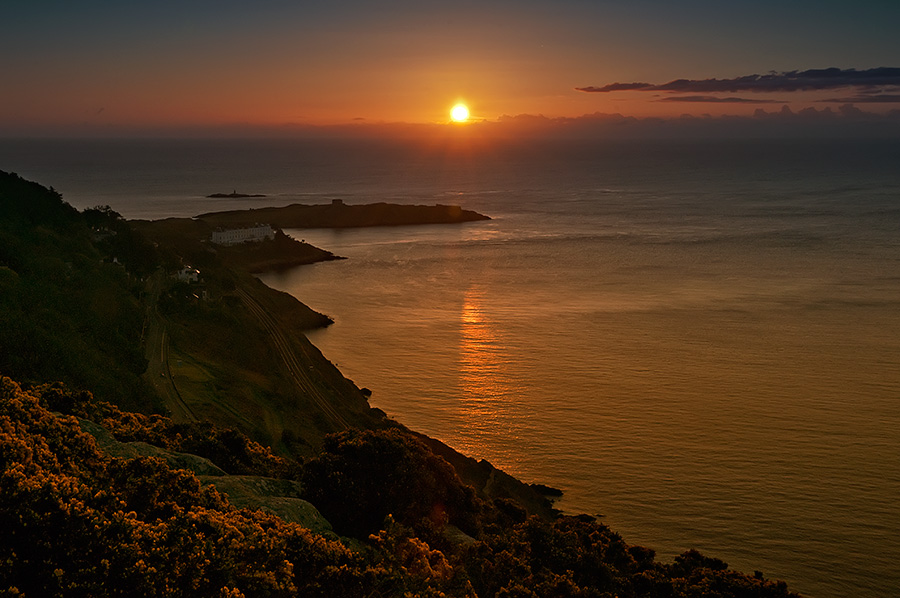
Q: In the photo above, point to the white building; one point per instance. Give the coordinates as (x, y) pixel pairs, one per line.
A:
(251, 234)
(188, 274)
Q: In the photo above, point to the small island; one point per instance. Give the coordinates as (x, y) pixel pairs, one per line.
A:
(234, 195)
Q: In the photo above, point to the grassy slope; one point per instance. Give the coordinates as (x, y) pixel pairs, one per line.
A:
(227, 370)
(68, 311)
(222, 359)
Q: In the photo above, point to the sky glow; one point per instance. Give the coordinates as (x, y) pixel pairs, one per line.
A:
(111, 64)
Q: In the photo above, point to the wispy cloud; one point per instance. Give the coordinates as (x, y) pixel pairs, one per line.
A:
(790, 81)
(618, 87)
(885, 98)
(717, 100)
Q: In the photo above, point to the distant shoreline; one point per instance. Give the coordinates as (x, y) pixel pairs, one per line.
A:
(234, 195)
(337, 214)
(283, 252)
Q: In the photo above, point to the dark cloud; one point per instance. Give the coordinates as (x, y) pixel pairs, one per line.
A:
(717, 100)
(809, 80)
(866, 99)
(617, 87)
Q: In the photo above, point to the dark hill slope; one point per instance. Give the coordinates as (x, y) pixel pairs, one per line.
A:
(67, 311)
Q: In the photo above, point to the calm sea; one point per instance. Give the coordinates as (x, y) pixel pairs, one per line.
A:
(699, 342)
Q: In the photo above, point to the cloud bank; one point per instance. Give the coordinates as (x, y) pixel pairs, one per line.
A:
(717, 100)
(882, 78)
(885, 98)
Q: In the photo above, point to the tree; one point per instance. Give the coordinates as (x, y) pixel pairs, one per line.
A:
(361, 477)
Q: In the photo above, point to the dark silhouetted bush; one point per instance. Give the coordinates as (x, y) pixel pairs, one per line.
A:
(360, 477)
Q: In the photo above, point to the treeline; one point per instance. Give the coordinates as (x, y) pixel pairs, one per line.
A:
(79, 523)
(70, 291)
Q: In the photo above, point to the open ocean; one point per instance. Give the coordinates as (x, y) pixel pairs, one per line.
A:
(698, 341)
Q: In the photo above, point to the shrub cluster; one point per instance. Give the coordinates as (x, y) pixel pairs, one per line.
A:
(69, 309)
(78, 523)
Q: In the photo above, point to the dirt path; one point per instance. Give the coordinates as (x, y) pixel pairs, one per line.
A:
(156, 347)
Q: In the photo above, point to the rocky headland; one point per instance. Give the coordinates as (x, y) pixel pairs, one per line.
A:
(337, 214)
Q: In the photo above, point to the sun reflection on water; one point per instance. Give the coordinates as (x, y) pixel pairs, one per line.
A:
(487, 406)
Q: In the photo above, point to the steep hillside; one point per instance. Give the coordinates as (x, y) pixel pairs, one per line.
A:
(70, 296)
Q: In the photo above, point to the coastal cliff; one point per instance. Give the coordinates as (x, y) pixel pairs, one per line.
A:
(148, 400)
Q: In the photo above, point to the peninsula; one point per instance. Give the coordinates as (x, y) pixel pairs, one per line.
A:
(337, 214)
(188, 237)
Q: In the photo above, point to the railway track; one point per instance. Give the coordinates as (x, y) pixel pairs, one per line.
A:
(298, 373)
(156, 342)
(186, 412)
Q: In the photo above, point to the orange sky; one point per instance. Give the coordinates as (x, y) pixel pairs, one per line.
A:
(105, 64)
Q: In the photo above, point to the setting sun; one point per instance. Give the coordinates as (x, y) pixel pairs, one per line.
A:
(459, 113)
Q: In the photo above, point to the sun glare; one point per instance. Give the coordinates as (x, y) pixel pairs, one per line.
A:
(459, 113)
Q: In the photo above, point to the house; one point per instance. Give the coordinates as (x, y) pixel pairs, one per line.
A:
(188, 274)
(235, 236)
